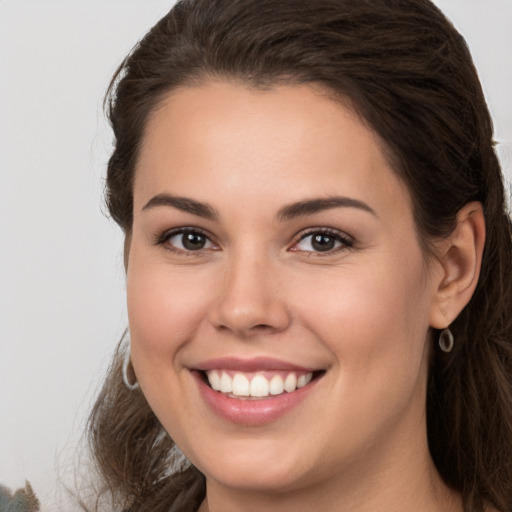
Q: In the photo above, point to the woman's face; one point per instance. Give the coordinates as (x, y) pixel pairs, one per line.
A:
(274, 250)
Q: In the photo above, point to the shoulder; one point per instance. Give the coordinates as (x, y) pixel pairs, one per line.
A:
(23, 500)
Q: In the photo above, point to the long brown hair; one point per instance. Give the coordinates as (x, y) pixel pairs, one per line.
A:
(408, 73)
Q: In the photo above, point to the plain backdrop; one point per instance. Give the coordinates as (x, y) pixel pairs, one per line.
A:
(62, 307)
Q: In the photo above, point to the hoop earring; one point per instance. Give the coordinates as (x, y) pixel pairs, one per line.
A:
(446, 340)
(126, 362)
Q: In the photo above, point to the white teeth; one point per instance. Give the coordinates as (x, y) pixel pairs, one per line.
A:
(241, 385)
(304, 379)
(276, 386)
(290, 383)
(214, 379)
(226, 383)
(258, 386)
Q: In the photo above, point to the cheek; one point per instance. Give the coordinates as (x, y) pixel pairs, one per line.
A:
(164, 306)
(374, 323)
(367, 312)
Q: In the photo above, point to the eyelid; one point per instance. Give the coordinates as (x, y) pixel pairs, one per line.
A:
(346, 241)
(162, 238)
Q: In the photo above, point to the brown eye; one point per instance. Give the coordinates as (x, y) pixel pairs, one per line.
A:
(189, 241)
(193, 241)
(322, 241)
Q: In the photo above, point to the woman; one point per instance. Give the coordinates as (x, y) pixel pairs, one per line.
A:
(318, 260)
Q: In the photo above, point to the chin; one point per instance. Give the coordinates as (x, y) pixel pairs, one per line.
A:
(262, 467)
(249, 478)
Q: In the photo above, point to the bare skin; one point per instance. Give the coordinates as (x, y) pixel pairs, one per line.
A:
(300, 245)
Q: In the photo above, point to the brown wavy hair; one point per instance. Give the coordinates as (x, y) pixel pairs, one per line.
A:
(409, 75)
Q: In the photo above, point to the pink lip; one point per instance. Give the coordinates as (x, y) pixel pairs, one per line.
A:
(250, 365)
(251, 412)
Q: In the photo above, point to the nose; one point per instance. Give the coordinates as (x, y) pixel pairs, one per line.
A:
(250, 301)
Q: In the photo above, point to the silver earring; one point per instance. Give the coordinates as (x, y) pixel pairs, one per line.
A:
(446, 340)
(132, 386)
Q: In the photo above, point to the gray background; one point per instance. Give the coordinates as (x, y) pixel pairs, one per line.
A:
(61, 275)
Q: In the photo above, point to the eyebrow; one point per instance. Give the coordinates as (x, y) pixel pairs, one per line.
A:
(184, 204)
(291, 211)
(311, 206)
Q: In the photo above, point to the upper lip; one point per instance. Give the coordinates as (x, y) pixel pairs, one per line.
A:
(250, 365)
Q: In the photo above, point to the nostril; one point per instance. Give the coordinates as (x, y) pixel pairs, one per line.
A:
(262, 327)
(249, 331)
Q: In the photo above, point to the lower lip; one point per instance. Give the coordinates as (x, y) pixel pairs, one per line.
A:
(252, 411)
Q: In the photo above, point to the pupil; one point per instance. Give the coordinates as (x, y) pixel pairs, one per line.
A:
(193, 241)
(322, 242)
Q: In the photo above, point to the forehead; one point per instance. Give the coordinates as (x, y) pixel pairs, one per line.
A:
(296, 139)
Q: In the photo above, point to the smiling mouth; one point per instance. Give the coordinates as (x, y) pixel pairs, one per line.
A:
(257, 385)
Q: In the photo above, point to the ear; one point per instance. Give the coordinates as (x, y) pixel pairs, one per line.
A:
(459, 257)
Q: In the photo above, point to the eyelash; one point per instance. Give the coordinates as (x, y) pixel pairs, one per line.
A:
(164, 238)
(345, 241)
